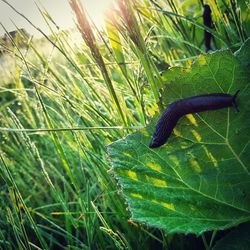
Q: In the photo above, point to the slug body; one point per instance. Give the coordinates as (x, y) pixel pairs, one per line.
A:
(207, 20)
(179, 108)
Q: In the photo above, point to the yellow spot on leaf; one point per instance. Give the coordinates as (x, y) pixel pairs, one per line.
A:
(174, 159)
(214, 161)
(211, 157)
(202, 60)
(184, 145)
(157, 182)
(127, 154)
(176, 132)
(132, 175)
(165, 204)
(139, 196)
(188, 70)
(153, 166)
(168, 205)
(196, 135)
(195, 165)
(192, 119)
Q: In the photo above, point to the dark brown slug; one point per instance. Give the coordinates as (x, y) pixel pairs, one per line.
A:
(207, 20)
(179, 108)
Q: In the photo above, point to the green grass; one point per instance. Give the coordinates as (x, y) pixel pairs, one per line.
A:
(63, 102)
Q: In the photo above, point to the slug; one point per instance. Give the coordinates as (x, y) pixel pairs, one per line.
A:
(179, 108)
(207, 20)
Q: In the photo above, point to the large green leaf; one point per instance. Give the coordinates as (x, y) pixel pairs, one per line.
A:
(200, 179)
(243, 54)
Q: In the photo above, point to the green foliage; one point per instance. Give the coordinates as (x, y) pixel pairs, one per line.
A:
(64, 97)
(237, 239)
(199, 180)
(243, 53)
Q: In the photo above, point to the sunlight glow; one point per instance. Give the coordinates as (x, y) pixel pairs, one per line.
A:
(96, 10)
